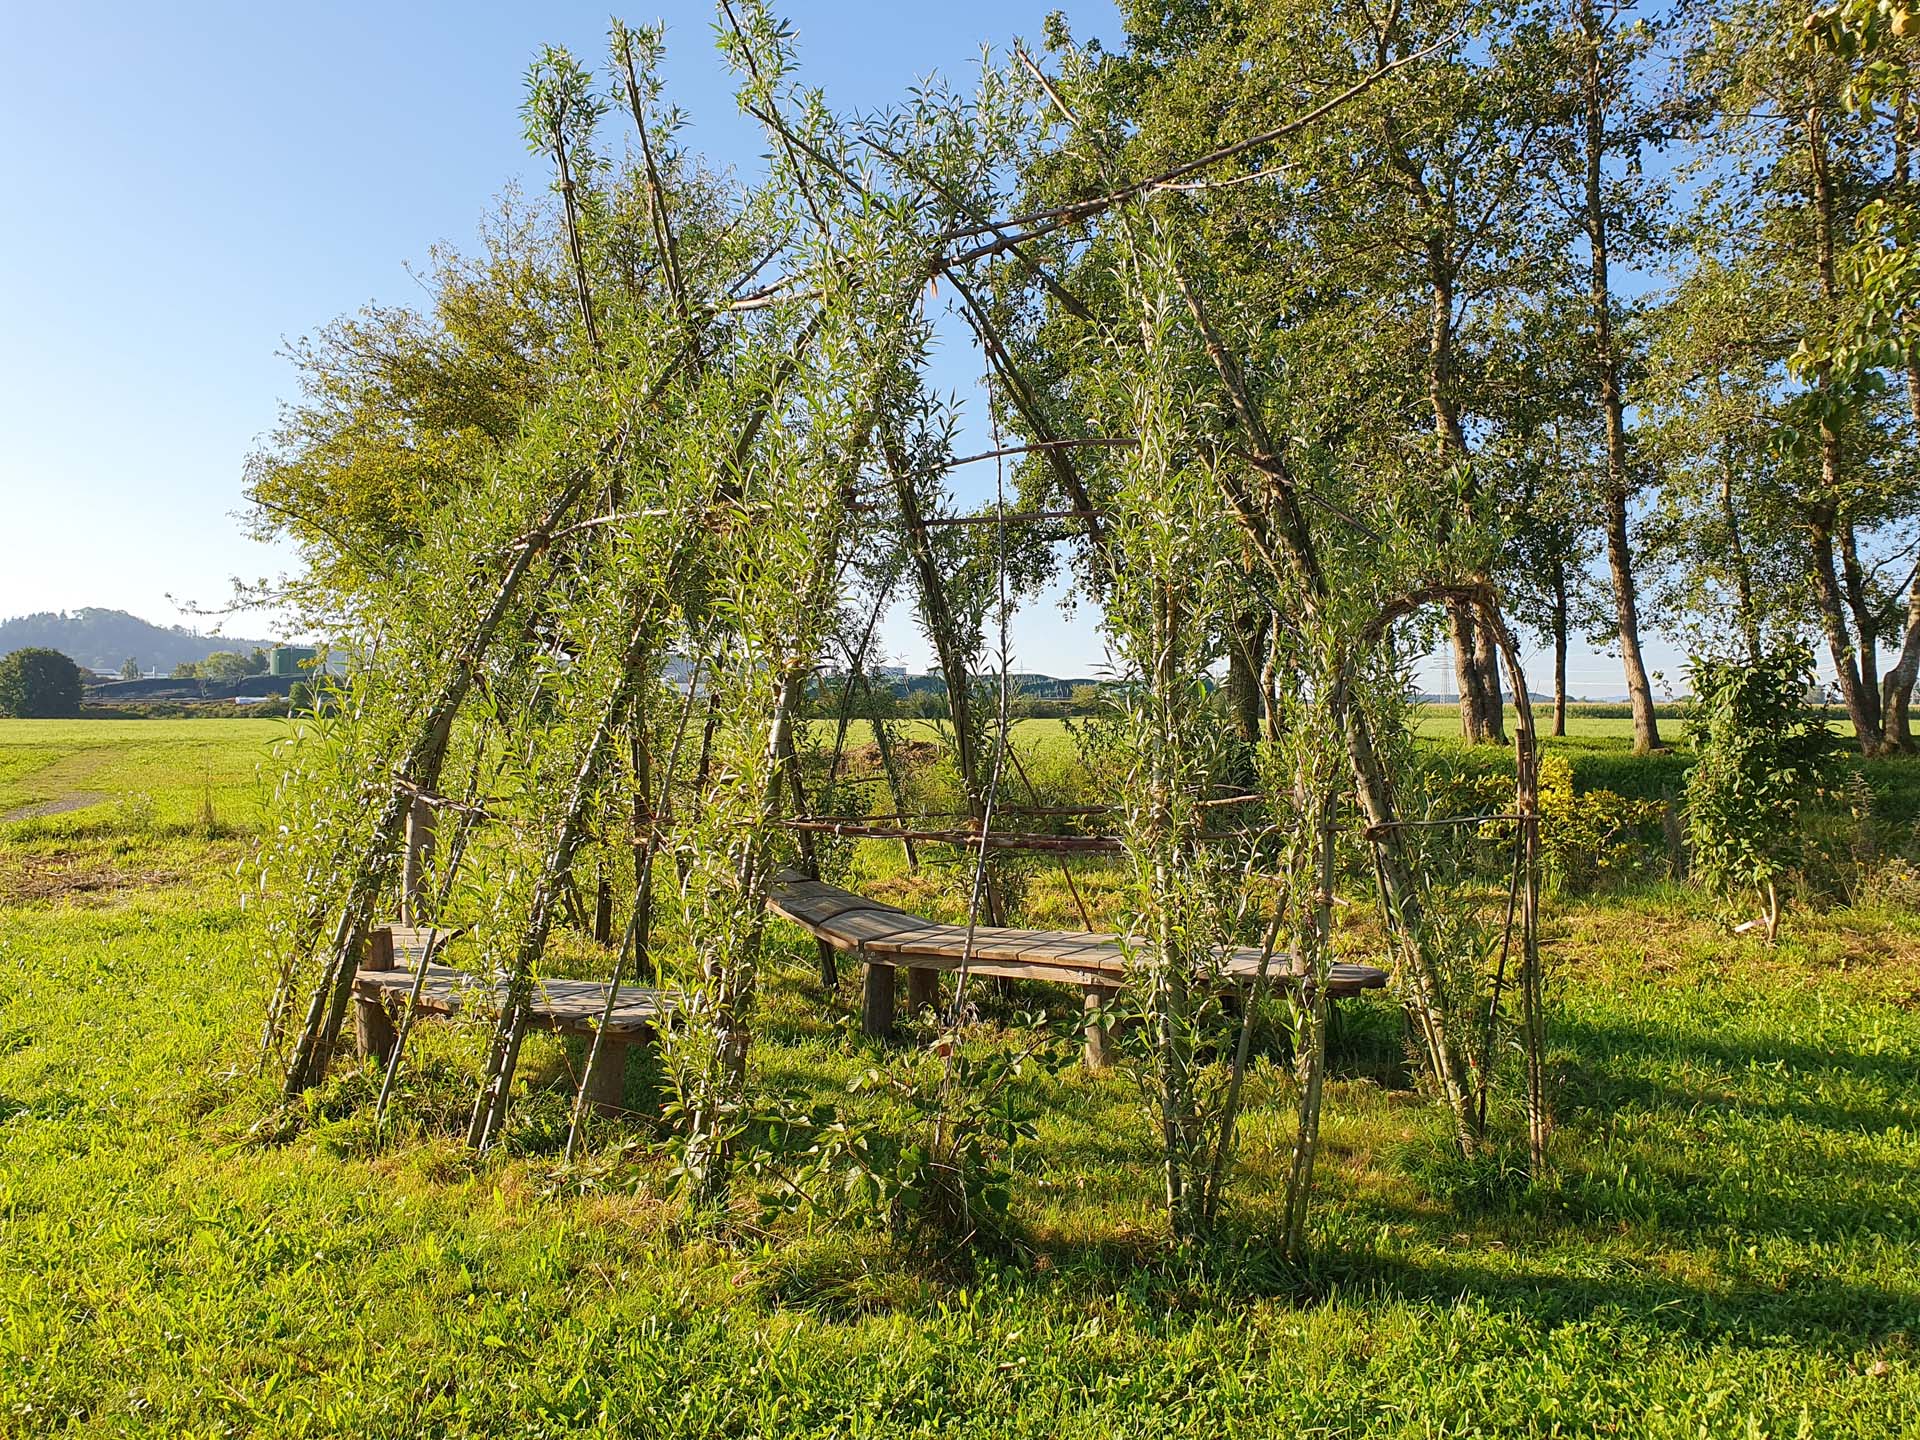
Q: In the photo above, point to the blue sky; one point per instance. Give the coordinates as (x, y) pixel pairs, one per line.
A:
(193, 184)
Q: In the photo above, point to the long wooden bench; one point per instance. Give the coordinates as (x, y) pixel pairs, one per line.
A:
(569, 1007)
(886, 939)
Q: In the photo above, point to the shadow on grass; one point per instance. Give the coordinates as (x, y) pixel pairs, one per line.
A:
(1813, 1311)
(1805, 1305)
(1543, 1252)
(1603, 1080)
(1602, 1047)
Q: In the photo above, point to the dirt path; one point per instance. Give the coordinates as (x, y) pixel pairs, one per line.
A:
(60, 805)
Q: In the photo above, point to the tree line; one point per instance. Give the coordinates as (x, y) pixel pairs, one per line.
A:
(1605, 288)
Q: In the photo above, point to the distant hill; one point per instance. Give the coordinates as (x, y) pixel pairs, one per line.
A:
(105, 639)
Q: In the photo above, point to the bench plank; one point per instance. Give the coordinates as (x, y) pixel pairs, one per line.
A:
(571, 1007)
(886, 935)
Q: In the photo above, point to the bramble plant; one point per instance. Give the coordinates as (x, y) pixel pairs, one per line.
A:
(1764, 752)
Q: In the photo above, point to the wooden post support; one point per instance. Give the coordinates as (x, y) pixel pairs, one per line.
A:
(1672, 828)
(876, 1000)
(607, 1081)
(413, 868)
(1098, 1038)
(923, 990)
(603, 908)
(373, 1031)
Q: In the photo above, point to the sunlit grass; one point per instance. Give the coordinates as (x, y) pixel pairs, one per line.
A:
(1730, 1240)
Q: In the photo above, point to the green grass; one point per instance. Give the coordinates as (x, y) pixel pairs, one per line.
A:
(1028, 734)
(92, 809)
(175, 764)
(1442, 722)
(1730, 1245)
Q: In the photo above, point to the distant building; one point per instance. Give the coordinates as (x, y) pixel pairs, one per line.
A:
(290, 660)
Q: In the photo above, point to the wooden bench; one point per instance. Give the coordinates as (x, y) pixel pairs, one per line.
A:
(887, 938)
(568, 1007)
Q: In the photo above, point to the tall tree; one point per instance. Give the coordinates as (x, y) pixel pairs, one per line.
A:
(1878, 329)
(1613, 208)
(1727, 565)
(1385, 244)
(1798, 163)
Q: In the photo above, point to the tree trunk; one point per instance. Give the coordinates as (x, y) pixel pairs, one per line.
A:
(1896, 696)
(1559, 645)
(1896, 692)
(1833, 620)
(1243, 685)
(644, 845)
(1486, 660)
(1866, 622)
(415, 908)
(602, 906)
(1646, 729)
(1825, 519)
(1482, 718)
(1452, 440)
(1467, 677)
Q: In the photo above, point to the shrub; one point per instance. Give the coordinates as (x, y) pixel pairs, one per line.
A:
(941, 1184)
(1591, 835)
(39, 684)
(1587, 834)
(1763, 753)
(1892, 884)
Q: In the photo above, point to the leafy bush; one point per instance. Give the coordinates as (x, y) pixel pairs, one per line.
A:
(1593, 835)
(1587, 835)
(39, 684)
(1764, 751)
(943, 1184)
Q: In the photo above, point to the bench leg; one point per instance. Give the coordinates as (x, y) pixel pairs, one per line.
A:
(607, 1081)
(1099, 1038)
(876, 1001)
(373, 1030)
(923, 990)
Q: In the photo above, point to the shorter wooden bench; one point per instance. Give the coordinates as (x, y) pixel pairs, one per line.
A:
(886, 938)
(568, 1007)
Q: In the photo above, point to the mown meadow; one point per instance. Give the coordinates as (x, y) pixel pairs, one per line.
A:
(1728, 1243)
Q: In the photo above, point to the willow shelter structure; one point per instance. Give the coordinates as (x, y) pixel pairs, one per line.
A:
(734, 463)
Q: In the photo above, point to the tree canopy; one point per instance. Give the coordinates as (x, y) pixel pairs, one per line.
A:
(39, 684)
